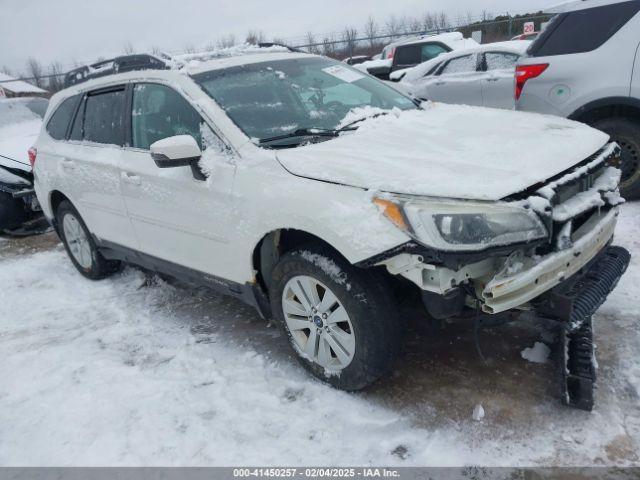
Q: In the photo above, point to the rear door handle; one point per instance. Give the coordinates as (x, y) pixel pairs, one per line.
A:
(131, 178)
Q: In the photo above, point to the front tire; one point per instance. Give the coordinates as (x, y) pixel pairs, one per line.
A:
(80, 246)
(340, 320)
(626, 133)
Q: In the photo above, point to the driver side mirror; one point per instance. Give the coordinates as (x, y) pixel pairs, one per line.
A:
(178, 151)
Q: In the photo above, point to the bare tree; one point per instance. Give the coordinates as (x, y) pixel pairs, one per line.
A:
(414, 24)
(392, 26)
(429, 22)
(226, 41)
(35, 71)
(349, 36)
(443, 20)
(56, 77)
(128, 49)
(156, 50)
(7, 70)
(254, 37)
(371, 31)
(311, 42)
(329, 46)
(279, 40)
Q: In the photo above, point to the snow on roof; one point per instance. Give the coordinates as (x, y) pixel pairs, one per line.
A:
(18, 86)
(262, 55)
(518, 47)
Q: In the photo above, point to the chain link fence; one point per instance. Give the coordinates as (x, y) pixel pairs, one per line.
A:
(350, 43)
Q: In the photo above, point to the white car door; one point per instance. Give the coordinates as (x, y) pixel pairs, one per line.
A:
(458, 81)
(635, 81)
(177, 217)
(498, 82)
(90, 162)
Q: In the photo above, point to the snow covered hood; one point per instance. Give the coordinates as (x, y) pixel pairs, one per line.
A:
(448, 151)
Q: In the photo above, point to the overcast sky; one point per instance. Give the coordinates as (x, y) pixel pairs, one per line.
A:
(82, 30)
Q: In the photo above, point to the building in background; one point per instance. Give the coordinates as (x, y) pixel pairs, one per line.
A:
(11, 87)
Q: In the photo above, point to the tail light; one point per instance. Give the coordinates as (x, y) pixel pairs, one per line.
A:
(33, 152)
(527, 72)
(391, 53)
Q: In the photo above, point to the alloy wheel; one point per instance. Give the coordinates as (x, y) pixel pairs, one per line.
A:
(77, 241)
(318, 322)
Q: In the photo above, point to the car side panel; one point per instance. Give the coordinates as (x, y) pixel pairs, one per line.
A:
(635, 81)
(572, 81)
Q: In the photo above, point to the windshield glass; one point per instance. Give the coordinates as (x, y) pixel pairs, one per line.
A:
(280, 97)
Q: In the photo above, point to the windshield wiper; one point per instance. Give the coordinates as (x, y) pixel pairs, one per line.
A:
(303, 132)
(349, 126)
(319, 132)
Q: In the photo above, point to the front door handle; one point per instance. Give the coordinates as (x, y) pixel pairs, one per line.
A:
(492, 79)
(131, 178)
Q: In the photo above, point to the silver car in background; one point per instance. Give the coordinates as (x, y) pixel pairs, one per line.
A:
(482, 76)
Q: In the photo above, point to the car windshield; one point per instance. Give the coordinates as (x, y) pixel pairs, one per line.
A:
(280, 98)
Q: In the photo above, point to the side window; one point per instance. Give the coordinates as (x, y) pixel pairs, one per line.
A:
(104, 117)
(583, 30)
(460, 65)
(59, 122)
(431, 50)
(160, 112)
(76, 129)
(407, 55)
(500, 60)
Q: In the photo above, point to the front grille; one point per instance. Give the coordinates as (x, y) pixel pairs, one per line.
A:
(573, 197)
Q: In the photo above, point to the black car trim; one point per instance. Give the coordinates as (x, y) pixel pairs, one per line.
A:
(249, 293)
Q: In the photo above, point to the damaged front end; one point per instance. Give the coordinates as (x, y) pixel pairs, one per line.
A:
(508, 255)
(563, 275)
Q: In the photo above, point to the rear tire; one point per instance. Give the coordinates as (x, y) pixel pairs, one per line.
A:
(356, 333)
(626, 132)
(79, 244)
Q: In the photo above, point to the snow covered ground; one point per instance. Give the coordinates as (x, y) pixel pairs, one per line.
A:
(131, 372)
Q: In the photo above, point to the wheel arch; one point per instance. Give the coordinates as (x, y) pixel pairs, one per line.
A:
(278, 242)
(606, 108)
(56, 197)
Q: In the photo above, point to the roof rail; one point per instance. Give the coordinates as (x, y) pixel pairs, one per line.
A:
(123, 63)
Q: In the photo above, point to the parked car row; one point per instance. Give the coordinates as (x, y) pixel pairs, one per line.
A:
(409, 52)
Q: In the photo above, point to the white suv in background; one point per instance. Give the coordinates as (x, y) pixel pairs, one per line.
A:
(586, 66)
(317, 194)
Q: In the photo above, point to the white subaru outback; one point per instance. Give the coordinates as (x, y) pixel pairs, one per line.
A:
(318, 194)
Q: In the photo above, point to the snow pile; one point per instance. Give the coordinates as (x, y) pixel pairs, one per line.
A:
(539, 353)
(374, 64)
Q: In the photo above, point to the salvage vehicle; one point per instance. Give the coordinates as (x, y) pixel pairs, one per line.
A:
(20, 122)
(317, 193)
(409, 52)
(585, 66)
(482, 76)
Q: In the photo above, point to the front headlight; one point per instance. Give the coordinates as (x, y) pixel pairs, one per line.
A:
(458, 225)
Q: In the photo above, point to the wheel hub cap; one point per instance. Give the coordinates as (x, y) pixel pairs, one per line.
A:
(319, 325)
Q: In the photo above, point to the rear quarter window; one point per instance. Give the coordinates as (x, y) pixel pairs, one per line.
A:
(59, 121)
(583, 30)
(104, 117)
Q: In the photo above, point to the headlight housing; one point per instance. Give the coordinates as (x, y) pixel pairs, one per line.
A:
(457, 225)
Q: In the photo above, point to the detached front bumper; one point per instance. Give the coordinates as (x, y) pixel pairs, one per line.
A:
(505, 292)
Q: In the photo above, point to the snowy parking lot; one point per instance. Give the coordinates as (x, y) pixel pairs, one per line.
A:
(135, 371)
